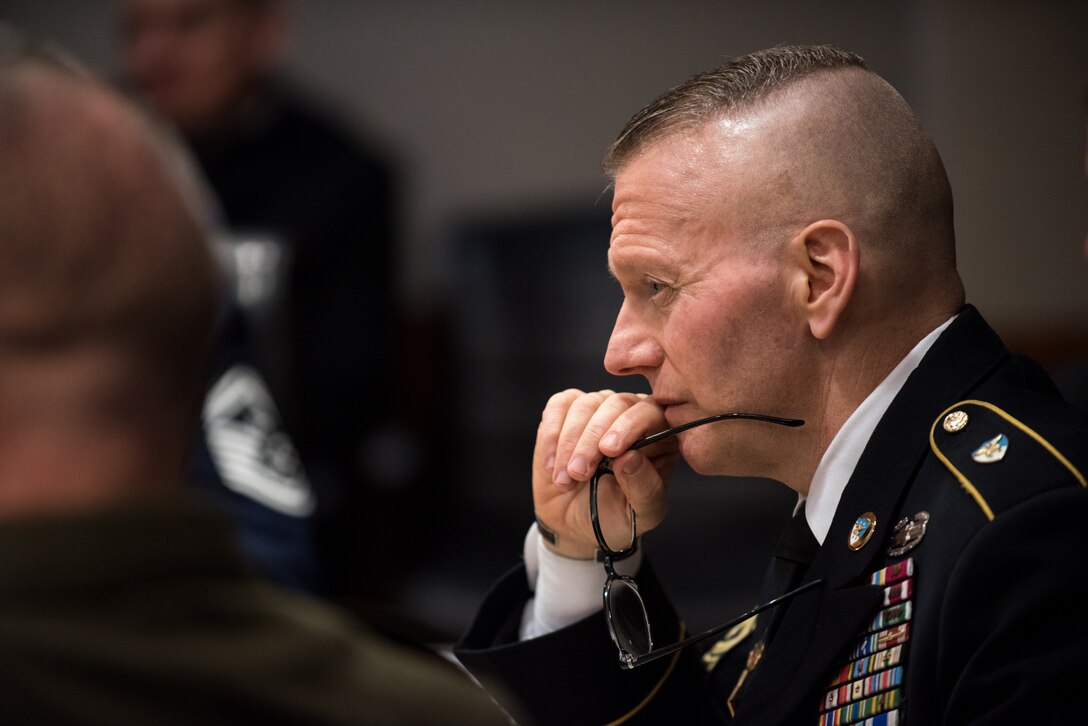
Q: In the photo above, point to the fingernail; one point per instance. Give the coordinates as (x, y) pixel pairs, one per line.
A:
(579, 466)
(634, 464)
(611, 441)
(550, 463)
(563, 480)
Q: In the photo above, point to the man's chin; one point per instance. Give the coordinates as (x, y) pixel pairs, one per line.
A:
(707, 459)
(703, 458)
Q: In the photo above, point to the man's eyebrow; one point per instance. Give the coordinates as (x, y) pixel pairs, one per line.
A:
(624, 266)
(614, 271)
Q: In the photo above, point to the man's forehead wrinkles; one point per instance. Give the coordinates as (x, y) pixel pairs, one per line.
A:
(640, 215)
(639, 253)
(671, 208)
(653, 232)
(659, 233)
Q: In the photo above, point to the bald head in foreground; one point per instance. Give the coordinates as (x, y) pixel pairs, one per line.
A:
(783, 235)
(107, 296)
(122, 601)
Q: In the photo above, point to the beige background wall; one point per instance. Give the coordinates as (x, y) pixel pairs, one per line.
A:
(499, 105)
(504, 106)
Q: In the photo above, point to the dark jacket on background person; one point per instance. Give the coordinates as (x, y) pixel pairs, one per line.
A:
(245, 463)
(291, 172)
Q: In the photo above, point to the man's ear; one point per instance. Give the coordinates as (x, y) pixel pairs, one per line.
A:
(827, 259)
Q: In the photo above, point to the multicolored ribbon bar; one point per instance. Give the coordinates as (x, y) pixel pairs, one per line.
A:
(854, 712)
(894, 615)
(862, 688)
(893, 573)
(879, 641)
(891, 718)
(898, 592)
(868, 690)
(869, 664)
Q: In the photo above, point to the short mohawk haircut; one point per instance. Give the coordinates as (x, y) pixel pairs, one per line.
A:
(737, 83)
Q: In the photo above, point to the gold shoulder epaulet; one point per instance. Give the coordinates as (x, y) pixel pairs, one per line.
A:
(955, 418)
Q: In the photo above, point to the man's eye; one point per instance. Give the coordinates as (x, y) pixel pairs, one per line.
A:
(656, 287)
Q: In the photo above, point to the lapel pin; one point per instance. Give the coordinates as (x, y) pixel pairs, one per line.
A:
(991, 451)
(908, 533)
(955, 422)
(862, 531)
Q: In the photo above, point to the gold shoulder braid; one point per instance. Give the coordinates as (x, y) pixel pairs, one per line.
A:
(732, 638)
(956, 419)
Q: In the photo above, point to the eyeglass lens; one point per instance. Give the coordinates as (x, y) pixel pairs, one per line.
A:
(613, 519)
(615, 526)
(627, 614)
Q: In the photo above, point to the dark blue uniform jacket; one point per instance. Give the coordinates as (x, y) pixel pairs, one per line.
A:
(981, 621)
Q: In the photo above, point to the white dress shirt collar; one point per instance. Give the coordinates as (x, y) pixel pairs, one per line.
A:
(841, 458)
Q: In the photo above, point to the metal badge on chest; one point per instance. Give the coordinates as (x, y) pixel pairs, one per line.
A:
(908, 532)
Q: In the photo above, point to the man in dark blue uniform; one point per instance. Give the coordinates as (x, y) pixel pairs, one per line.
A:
(782, 232)
(307, 205)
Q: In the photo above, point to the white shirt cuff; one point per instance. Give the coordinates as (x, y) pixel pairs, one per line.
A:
(566, 590)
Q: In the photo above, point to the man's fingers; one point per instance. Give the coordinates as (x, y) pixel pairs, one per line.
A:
(576, 431)
(639, 417)
(551, 423)
(595, 425)
(612, 420)
(644, 488)
(579, 414)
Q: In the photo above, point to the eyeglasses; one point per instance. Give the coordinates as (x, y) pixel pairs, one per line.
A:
(625, 611)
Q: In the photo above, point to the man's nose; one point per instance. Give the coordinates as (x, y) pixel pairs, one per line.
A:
(632, 349)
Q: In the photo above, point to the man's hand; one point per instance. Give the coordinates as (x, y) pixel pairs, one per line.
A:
(577, 430)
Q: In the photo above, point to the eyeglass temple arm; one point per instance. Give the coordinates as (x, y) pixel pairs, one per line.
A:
(654, 438)
(637, 660)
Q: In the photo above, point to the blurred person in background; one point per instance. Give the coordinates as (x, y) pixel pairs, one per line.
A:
(309, 213)
(122, 598)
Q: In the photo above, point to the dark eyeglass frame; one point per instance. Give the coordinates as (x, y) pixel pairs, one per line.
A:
(609, 556)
